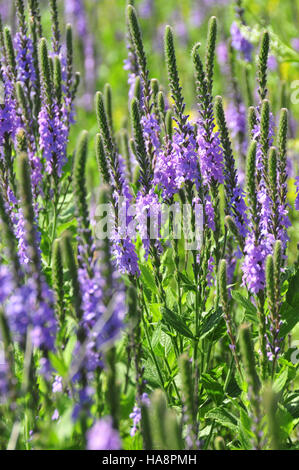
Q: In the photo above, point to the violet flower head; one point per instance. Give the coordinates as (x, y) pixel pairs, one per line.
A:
(53, 139)
(25, 62)
(102, 436)
(25, 309)
(240, 43)
(211, 156)
(136, 413)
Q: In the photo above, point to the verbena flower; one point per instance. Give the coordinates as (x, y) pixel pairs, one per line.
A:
(240, 43)
(102, 436)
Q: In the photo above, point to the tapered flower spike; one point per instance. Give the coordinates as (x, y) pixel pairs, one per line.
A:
(70, 263)
(69, 45)
(283, 95)
(113, 387)
(35, 15)
(250, 176)
(188, 395)
(161, 103)
(270, 285)
(79, 187)
(140, 54)
(10, 52)
(29, 216)
(141, 153)
(101, 159)
(109, 147)
(173, 77)
(22, 101)
(252, 120)
(223, 284)
(273, 172)
(45, 69)
(265, 137)
(231, 225)
(248, 357)
(55, 25)
(10, 241)
(270, 399)
(263, 65)
(210, 52)
(154, 87)
(57, 280)
(137, 89)
(249, 95)
(126, 152)
(57, 79)
(20, 10)
(169, 122)
(108, 105)
(277, 265)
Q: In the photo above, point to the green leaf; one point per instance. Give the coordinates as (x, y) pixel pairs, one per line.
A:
(280, 380)
(58, 364)
(250, 310)
(213, 388)
(210, 322)
(224, 418)
(148, 278)
(176, 322)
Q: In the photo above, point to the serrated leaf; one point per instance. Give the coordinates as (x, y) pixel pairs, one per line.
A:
(148, 278)
(210, 322)
(176, 322)
(250, 310)
(223, 417)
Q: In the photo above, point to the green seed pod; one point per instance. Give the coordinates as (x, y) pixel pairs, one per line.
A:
(248, 357)
(210, 52)
(101, 159)
(263, 65)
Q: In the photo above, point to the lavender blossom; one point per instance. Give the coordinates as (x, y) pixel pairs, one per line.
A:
(240, 43)
(136, 413)
(102, 436)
